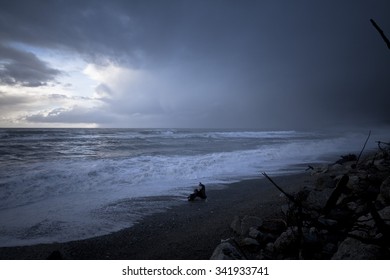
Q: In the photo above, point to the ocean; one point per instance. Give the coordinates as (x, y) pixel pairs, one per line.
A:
(59, 185)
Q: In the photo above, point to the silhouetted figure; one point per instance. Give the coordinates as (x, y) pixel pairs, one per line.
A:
(199, 192)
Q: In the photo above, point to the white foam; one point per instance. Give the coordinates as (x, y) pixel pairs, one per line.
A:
(73, 198)
(152, 175)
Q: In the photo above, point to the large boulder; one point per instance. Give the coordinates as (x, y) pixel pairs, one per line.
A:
(226, 251)
(365, 226)
(274, 225)
(236, 225)
(255, 233)
(385, 190)
(353, 249)
(249, 242)
(385, 214)
(286, 240)
(317, 199)
(242, 226)
(324, 181)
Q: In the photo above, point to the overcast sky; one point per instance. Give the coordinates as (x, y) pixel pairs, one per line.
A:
(238, 64)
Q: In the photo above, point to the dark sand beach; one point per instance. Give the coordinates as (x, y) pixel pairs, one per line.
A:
(191, 230)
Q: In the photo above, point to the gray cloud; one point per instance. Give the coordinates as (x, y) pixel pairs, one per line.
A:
(274, 64)
(7, 100)
(24, 68)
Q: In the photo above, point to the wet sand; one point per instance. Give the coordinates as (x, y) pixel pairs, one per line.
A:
(190, 230)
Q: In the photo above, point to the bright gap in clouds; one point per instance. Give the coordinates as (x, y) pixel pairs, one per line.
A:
(71, 80)
(90, 94)
(72, 91)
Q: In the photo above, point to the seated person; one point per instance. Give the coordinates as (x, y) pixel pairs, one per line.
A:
(200, 191)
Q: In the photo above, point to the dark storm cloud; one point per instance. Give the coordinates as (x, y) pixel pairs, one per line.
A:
(271, 64)
(24, 68)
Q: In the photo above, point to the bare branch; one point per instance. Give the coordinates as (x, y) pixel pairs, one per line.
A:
(289, 196)
(364, 146)
(381, 33)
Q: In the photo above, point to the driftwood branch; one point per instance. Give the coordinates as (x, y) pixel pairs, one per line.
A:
(309, 167)
(289, 196)
(364, 146)
(381, 33)
(380, 143)
(299, 214)
(385, 143)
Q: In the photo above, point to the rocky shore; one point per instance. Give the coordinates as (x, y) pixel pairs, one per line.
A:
(343, 214)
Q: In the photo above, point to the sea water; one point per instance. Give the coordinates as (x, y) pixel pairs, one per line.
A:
(59, 185)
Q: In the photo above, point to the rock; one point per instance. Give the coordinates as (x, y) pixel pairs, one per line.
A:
(285, 209)
(317, 199)
(385, 214)
(311, 246)
(383, 167)
(353, 181)
(248, 222)
(323, 182)
(359, 187)
(286, 240)
(268, 251)
(366, 221)
(327, 222)
(377, 178)
(372, 192)
(344, 217)
(302, 194)
(340, 194)
(55, 255)
(255, 233)
(268, 237)
(334, 197)
(249, 242)
(347, 159)
(242, 226)
(236, 225)
(385, 190)
(353, 206)
(323, 170)
(311, 235)
(335, 169)
(337, 178)
(226, 251)
(329, 249)
(366, 227)
(380, 202)
(270, 247)
(353, 249)
(274, 225)
(359, 234)
(361, 208)
(379, 162)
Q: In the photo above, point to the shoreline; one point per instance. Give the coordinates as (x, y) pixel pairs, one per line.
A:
(190, 230)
